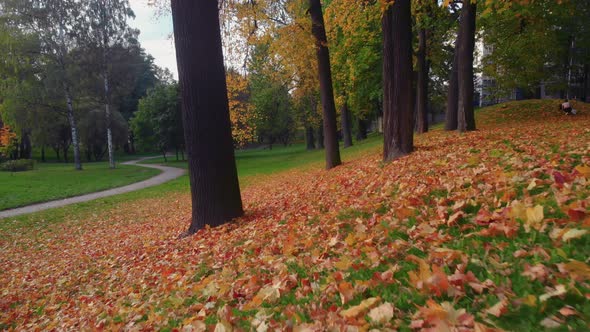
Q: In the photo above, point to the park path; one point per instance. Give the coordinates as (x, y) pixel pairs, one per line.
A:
(168, 174)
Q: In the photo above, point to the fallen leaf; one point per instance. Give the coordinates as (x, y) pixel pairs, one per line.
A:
(381, 314)
(558, 291)
(363, 307)
(573, 234)
(499, 308)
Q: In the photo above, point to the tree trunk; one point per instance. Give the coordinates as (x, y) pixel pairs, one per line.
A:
(74, 129)
(453, 92)
(398, 100)
(309, 139)
(465, 114)
(43, 154)
(320, 139)
(107, 108)
(57, 153)
(213, 175)
(361, 132)
(65, 149)
(346, 131)
(164, 155)
(326, 91)
(25, 145)
(422, 85)
(585, 85)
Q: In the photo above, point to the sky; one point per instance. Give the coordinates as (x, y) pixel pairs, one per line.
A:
(156, 34)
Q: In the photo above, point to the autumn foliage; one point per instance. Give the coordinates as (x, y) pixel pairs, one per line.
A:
(471, 232)
(241, 112)
(6, 140)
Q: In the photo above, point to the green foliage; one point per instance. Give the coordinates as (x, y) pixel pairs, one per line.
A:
(92, 132)
(19, 165)
(531, 43)
(274, 118)
(158, 123)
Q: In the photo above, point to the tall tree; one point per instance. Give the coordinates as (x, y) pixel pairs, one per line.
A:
(326, 90)
(213, 175)
(57, 25)
(346, 125)
(398, 101)
(422, 84)
(453, 91)
(465, 111)
(107, 27)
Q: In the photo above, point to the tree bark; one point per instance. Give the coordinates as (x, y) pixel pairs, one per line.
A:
(346, 131)
(213, 175)
(453, 92)
(422, 85)
(320, 138)
(309, 138)
(361, 132)
(107, 108)
(398, 99)
(74, 129)
(585, 85)
(465, 112)
(326, 90)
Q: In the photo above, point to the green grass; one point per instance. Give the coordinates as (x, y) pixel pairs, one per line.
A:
(264, 162)
(250, 164)
(54, 181)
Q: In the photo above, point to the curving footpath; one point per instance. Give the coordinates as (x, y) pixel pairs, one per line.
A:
(168, 174)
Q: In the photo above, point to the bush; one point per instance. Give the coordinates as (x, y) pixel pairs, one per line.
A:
(17, 165)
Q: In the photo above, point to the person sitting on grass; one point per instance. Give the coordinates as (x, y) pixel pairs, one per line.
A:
(566, 107)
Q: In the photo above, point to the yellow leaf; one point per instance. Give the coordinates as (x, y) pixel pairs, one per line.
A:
(559, 290)
(357, 310)
(350, 240)
(534, 217)
(343, 264)
(584, 170)
(573, 234)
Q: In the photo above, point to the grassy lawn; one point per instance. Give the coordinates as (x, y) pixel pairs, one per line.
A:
(487, 230)
(54, 181)
(253, 163)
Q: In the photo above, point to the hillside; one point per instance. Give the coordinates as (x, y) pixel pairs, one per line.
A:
(483, 231)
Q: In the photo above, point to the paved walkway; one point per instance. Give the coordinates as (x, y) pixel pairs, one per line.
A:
(168, 173)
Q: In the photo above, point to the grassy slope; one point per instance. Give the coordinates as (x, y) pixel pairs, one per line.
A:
(54, 181)
(442, 235)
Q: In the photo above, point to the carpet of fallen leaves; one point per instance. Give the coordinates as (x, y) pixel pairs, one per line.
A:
(482, 231)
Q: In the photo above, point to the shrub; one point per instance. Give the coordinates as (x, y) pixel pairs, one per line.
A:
(17, 165)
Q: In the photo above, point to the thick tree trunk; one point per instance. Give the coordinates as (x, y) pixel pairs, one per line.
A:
(309, 138)
(74, 129)
(453, 92)
(585, 85)
(422, 85)
(346, 131)
(465, 114)
(107, 108)
(320, 138)
(398, 99)
(326, 91)
(213, 175)
(361, 132)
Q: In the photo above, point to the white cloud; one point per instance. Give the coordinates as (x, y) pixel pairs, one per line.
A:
(155, 36)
